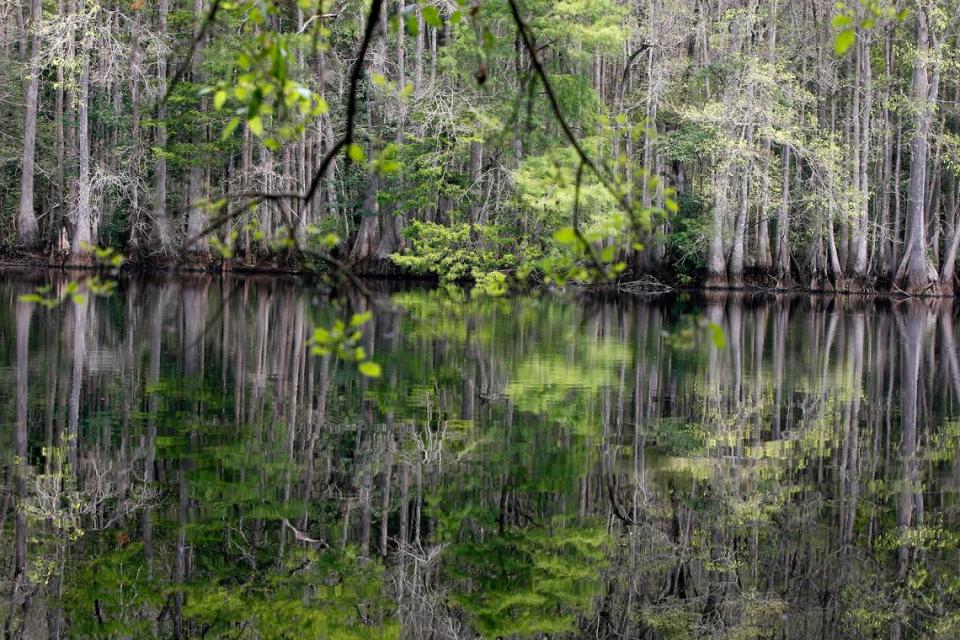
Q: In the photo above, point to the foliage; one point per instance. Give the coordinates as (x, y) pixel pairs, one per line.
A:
(343, 341)
(529, 582)
(457, 253)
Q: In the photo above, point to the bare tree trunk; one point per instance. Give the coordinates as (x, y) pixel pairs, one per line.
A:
(418, 53)
(133, 236)
(59, 146)
(949, 263)
(764, 257)
(783, 260)
(83, 234)
(716, 264)
(884, 241)
(401, 35)
(864, 85)
(162, 225)
(476, 165)
(897, 208)
(198, 251)
(28, 231)
(735, 267)
(916, 275)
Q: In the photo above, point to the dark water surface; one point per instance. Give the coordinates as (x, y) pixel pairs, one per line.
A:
(175, 463)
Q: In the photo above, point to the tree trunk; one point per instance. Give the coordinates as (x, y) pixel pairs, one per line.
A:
(783, 260)
(735, 268)
(864, 86)
(764, 257)
(80, 253)
(418, 53)
(198, 249)
(134, 221)
(28, 231)
(916, 275)
(162, 225)
(716, 264)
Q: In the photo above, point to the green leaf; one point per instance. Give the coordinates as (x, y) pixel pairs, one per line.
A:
(844, 41)
(219, 99)
(566, 235)
(370, 369)
(717, 335)
(355, 153)
(229, 129)
(255, 124)
(360, 318)
(842, 21)
(432, 17)
(412, 27)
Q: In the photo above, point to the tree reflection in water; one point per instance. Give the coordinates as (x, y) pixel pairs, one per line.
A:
(180, 466)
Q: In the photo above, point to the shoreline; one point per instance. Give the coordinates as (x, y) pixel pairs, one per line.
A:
(27, 265)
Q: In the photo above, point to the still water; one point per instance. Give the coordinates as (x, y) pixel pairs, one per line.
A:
(176, 463)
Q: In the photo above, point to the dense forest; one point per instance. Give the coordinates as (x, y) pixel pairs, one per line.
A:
(785, 143)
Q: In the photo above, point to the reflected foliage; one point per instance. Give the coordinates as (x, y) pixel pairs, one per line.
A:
(184, 462)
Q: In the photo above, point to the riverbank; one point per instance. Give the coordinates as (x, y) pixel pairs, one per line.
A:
(646, 285)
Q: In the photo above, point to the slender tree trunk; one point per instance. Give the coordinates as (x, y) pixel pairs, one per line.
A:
(764, 257)
(133, 236)
(59, 185)
(716, 264)
(864, 89)
(735, 267)
(783, 260)
(418, 53)
(28, 231)
(80, 253)
(476, 165)
(162, 224)
(198, 250)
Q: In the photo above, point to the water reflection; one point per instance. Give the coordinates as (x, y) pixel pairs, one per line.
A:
(180, 466)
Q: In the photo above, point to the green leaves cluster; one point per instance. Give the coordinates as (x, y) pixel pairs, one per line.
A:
(264, 93)
(851, 19)
(529, 582)
(76, 291)
(343, 341)
(458, 252)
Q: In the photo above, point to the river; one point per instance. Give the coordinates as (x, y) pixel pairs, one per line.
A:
(178, 463)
